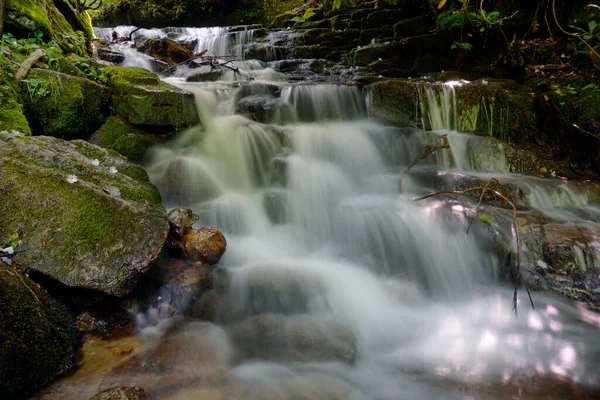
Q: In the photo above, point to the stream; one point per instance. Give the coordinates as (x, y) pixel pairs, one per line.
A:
(337, 286)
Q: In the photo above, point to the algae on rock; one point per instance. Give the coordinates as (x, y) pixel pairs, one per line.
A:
(37, 335)
(89, 218)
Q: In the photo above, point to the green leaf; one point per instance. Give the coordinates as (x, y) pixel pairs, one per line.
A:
(485, 219)
(592, 25)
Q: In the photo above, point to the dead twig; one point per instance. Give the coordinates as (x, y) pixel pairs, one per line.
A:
(518, 277)
(487, 186)
(27, 64)
(430, 149)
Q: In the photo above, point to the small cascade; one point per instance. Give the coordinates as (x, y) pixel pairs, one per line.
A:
(325, 102)
(438, 107)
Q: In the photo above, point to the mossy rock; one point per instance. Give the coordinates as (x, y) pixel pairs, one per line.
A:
(142, 98)
(133, 146)
(22, 17)
(89, 218)
(111, 130)
(12, 117)
(37, 335)
(62, 105)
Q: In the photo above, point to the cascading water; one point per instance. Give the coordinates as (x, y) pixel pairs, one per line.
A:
(336, 286)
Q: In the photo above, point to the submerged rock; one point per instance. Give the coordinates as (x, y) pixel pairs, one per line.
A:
(122, 393)
(37, 335)
(63, 106)
(89, 218)
(142, 98)
(206, 74)
(293, 339)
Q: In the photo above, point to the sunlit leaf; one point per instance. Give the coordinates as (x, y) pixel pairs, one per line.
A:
(442, 4)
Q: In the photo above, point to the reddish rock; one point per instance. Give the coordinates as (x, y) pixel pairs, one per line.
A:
(205, 245)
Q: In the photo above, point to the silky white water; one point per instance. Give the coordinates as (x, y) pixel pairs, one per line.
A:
(372, 295)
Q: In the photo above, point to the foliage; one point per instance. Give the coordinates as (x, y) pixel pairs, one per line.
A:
(91, 72)
(590, 45)
(466, 46)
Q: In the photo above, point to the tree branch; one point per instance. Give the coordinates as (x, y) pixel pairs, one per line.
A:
(430, 149)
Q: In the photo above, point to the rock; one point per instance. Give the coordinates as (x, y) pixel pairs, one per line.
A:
(108, 323)
(364, 56)
(74, 228)
(12, 117)
(132, 146)
(122, 393)
(112, 56)
(180, 220)
(383, 34)
(185, 283)
(37, 335)
(293, 339)
(62, 105)
(412, 27)
(206, 74)
(205, 245)
(58, 21)
(265, 108)
(185, 182)
(380, 18)
(166, 49)
(275, 204)
(487, 107)
(114, 128)
(142, 98)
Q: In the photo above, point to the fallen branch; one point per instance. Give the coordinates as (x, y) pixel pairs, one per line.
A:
(27, 64)
(518, 277)
(430, 149)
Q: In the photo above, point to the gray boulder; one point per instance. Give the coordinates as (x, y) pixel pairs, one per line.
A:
(88, 218)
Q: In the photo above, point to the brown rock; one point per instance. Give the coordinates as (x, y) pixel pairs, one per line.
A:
(123, 393)
(205, 245)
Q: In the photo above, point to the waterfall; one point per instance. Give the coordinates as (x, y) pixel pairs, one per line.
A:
(334, 285)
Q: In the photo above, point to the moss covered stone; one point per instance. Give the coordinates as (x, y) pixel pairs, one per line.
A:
(12, 117)
(142, 98)
(133, 146)
(113, 129)
(26, 16)
(62, 105)
(89, 218)
(37, 336)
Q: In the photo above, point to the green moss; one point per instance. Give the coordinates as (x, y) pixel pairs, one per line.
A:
(36, 335)
(143, 99)
(81, 234)
(279, 20)
(12, 117)
(30, 15)
(133, 146)
(135, 172)
(113, 129)
(90, 151)
(61, 105)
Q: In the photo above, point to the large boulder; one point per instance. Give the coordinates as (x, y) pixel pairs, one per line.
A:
(122, 137)
(63, 106)
(142, 98)
(88, 218)
(12, 117)
(37, 335)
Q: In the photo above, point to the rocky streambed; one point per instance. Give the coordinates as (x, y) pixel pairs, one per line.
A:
(293, 154)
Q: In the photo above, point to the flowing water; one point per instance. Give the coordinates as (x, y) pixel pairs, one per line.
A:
(338, 286)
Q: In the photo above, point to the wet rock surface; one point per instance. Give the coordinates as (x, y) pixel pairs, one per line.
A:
(123, 393)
